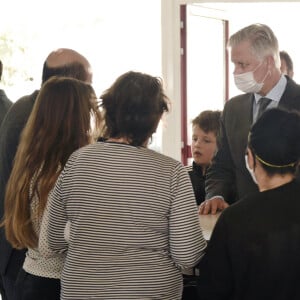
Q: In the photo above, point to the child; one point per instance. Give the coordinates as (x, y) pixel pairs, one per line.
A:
(205, 134)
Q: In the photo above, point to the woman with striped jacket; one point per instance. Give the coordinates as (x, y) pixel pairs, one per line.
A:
(133, 218)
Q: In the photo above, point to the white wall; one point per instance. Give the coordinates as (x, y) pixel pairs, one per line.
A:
(116, 36)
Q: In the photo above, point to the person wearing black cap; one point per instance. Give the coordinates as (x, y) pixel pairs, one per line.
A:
(254, 249)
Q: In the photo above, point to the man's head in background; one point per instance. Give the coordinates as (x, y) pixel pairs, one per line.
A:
(69, 63)
(286, 64)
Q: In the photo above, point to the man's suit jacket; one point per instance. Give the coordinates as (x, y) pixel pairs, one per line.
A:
(5, 104)
(11, 260)
(228, 171)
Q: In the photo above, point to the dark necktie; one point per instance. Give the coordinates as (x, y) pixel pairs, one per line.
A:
(263, 103)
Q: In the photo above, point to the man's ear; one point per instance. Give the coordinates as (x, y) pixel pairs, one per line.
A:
(270, 62)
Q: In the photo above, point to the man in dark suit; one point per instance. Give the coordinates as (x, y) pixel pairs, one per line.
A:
(5, 103)
(61, 62)
(255, 55)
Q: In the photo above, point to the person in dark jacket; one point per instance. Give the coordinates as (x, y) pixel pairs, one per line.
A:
(255, 55)
(5, 103)
(254, 249)
(205, 134)
(61, 62)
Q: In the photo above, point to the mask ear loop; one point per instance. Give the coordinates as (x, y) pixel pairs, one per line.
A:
(268, 72)
(251, 171)
(250, 148)
(252, 153)
(257, 66)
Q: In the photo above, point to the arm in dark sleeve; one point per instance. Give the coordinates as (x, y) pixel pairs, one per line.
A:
(10, 132)
(220, 177)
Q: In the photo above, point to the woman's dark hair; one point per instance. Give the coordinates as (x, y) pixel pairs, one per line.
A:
(275, 141)
(133, 106)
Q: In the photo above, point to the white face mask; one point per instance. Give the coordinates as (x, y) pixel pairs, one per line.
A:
(246, 82)
(250, 170)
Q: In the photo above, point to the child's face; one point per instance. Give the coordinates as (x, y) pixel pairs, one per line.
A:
(204, 146)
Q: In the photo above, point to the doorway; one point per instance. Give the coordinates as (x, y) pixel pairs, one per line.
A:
(204, 66)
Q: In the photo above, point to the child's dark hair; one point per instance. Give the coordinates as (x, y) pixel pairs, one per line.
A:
(209, 121)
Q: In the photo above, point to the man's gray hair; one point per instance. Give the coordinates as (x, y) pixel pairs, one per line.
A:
(262, 39)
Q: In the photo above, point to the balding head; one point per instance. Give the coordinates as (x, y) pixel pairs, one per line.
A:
(69, 63)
